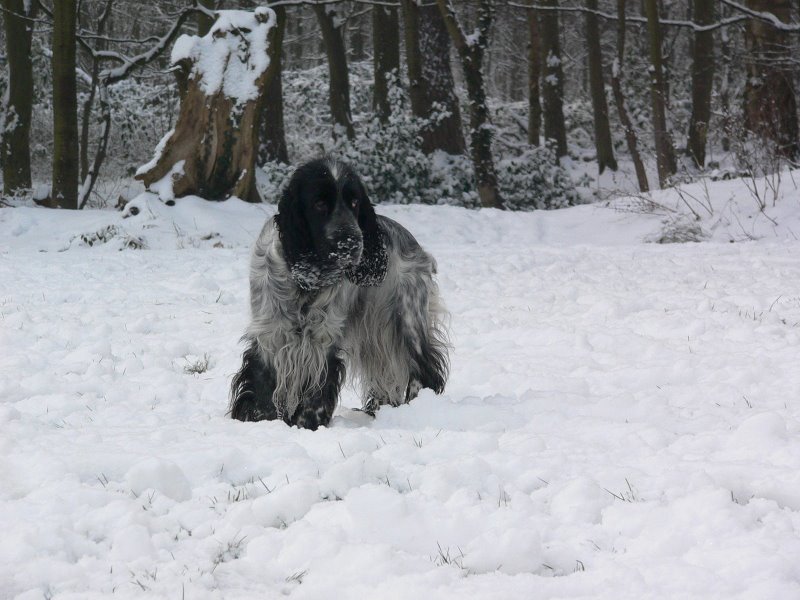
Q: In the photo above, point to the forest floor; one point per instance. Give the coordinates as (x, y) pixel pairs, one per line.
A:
(622, 418)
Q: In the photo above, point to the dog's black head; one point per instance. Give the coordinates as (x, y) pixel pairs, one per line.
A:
(328, 227)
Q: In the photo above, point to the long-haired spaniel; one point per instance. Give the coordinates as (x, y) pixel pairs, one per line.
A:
(334, 287)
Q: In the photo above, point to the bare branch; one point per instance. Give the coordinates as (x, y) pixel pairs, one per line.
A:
(637, 19)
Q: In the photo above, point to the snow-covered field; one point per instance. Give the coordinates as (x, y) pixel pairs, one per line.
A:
(622, 419)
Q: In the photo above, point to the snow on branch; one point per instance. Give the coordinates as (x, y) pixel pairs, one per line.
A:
(767, 17)
(696, 27)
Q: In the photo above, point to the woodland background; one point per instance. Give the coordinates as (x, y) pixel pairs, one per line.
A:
(510, 104)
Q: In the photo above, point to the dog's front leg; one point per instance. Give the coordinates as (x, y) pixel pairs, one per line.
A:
(318, 406)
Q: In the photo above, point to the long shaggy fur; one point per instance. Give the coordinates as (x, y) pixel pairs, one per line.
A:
(336, 288)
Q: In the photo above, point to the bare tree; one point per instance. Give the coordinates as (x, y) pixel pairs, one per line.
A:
(64, 192)
(553, 85)
(15, 126)
(431, 86)
(602, 129)
(665, 155)
(386, 62)
(619, 100)
(472, 51)
(702, 82)
(534, 74)
(770, 107)
(273, 133)
(331, 22)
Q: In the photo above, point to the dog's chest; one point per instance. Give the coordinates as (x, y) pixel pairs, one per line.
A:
(322, 317)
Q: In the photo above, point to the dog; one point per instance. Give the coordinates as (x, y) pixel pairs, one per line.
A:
(336, 288)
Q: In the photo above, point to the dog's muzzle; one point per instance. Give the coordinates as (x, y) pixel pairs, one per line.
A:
(344, 237)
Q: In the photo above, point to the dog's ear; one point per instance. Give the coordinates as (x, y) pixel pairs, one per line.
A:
(371, 269)
(295, 236)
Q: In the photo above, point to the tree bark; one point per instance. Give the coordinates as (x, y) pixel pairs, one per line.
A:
(665, 155)
(702, 82)
(86, 110)
(602, 130)
(273, 133)
(65, 107)
(339, 98)
(472, 52)
(204, 21)
(430, 77)
(15, 127)
(356, 30)
(386, 61)
(212, 150)
(770, 107)
(619, 100)
(534, 73)
(553, 85)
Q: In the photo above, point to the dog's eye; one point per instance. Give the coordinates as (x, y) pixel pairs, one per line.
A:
(354, 202)
(321, 205)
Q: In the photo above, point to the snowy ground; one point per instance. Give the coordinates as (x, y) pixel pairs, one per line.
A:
(622, 420)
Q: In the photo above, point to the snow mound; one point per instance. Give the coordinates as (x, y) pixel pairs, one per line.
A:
(160, 475)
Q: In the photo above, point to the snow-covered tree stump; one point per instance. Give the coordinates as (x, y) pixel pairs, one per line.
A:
(211, 152)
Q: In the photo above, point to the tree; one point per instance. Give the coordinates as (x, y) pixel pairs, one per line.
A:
(472, 51)
(86, 112)
(665, 155)
(602, 129)
(431, 86)
(534, 73)
(15, 125)
(212, 150)
(553, 87)
(273, 133)
(702, 82)
(770, 107)
(619, 100)
(204, 19)
(339, 97)
(65, 107)
(386, 62)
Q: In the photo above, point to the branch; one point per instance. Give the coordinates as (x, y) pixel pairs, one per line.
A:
(697, 27)
(767, 17)
(453, 26)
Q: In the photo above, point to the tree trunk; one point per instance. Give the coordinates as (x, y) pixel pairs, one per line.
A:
(204, 21)
(472, 53)
(534, 73)
(386, 62)
(430, 77)
(665, 155)
(212, 150)
(339, 98)
(273, 134)
(553, 86)
(65, 107)
(356, 30)
(770, 107)
(15, 127)
(602, 129)
(86, 110)
(619, 100)
(702, 82)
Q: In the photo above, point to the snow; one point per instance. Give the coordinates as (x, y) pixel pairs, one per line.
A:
(622, 418)
(232, 55)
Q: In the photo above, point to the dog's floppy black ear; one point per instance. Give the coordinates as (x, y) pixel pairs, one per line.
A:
(371, 269)
(295, 236)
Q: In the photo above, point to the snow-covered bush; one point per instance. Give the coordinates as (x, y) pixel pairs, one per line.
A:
(535, 180)
(388, 156)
